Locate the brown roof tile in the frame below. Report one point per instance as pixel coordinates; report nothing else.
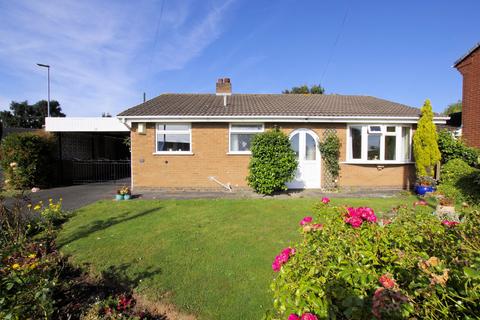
(313, 105)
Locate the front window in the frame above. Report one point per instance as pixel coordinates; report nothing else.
(241, 135)
(173, 138)
(379, 143)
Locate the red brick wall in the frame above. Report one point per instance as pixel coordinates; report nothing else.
(470, 69)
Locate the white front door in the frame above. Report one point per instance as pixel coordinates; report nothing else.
(305, 144)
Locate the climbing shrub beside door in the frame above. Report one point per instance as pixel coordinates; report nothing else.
(273, 162)
(330, 150)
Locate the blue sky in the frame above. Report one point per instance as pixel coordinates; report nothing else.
(104, 55)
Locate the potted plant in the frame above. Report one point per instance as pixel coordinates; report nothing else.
(424, 184)
(446, 197)
(125, 192)
(119, 195)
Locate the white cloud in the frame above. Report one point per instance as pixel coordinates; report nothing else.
(99, 52)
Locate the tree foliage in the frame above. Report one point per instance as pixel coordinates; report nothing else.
(24, 115)
(273, 162)
(314, 89)
(453, 108)
(425, 147)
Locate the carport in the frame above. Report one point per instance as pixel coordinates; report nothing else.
(90, 149)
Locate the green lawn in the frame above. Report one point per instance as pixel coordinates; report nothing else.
(212, 258)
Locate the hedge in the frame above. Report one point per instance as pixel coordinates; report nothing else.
(27, 159)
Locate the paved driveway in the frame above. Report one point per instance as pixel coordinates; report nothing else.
(78, 196)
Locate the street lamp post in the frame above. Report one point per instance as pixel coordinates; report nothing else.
(48, 72)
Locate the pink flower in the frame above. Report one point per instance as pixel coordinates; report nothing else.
(317, 226)
(293, 316)
(450, 224)
(288, 251)
(282, 258)
(386, 281)
(420, 203)
(325, 200)
(355, 222)
(352, 212)
(356, 216)
(308, 316)
(276, 266)
(306, 220)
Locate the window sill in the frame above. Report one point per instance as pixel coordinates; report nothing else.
(239, 153)
(173, 153)
(376, 162)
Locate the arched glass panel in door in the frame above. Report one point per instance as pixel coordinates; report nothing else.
(310, 147)
(295, 142)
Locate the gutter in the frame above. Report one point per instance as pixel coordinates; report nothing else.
(316, 119)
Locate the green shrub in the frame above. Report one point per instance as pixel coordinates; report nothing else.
(451, 192)
(29, 276)
(452, 148)
(453, 170)
(273, 162)
(413, 266)
(26, 160)
(457, 174)
(29, 263)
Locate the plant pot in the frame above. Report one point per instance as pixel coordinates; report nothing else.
(446, 213)
(422, 190)
(446, 210)
(119, 197)
(127, 197)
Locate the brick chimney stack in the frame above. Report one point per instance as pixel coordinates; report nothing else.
(224, 87)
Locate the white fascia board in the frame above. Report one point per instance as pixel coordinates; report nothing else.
(328, 119)
(84, 124)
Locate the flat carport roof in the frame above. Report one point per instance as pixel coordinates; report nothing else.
(85, 124)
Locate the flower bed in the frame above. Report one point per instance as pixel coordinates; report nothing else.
(357, 266)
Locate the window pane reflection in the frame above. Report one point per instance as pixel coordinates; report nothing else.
(374, 147)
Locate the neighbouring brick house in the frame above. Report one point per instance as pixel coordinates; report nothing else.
(469, 66)
(190, 141)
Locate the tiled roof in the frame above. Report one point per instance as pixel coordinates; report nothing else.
(308, 105)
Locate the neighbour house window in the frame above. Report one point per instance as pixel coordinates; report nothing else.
(379, 143)
(241, 135)
(173, 138)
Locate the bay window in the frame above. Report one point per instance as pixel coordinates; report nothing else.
(241, 135)
(379, 143)
(173, 138)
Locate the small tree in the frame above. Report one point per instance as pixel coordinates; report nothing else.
(273, 162)
(453, 108)
(425, 147)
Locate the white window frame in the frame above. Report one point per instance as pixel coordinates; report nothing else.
(365, 129)
(252, 131)
(162, 131)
